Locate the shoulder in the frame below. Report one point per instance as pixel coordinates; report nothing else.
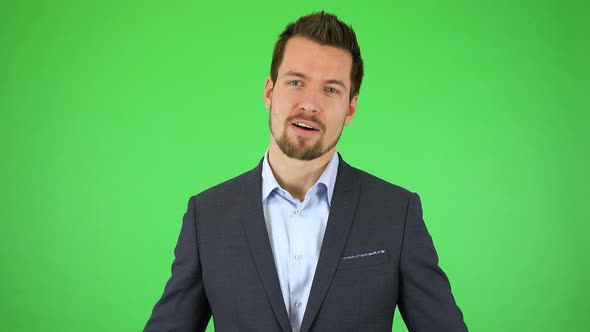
(380, 199)
(374, 187)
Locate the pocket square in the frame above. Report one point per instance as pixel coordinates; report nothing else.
(363, 255)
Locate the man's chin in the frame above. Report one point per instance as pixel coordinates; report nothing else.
(305, 153)
(304, 149)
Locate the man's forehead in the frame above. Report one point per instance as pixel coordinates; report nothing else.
(305, 57)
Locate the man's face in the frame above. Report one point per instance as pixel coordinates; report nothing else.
(310, 101)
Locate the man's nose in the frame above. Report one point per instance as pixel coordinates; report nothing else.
(310, 101)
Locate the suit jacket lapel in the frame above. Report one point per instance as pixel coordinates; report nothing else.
(346, 193)
(255, 228)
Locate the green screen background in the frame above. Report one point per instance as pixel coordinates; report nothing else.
(114, 113)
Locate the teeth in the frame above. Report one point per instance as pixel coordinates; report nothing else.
(299, 124)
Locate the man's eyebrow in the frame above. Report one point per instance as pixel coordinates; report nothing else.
(337, 82)
(301, 75)
(294, 73)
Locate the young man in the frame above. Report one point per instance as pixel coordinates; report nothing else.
(305, 242)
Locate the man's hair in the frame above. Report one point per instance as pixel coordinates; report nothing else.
(325, 29)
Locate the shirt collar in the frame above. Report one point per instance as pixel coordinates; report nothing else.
(328, 177)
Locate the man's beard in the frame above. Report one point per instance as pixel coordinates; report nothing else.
(299, 149)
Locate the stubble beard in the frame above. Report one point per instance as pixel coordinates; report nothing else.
(300, 149)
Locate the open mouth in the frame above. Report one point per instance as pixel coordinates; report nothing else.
(304, 126)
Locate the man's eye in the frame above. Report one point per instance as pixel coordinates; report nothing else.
(295, 83)
(332, 90)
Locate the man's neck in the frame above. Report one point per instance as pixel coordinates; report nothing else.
(297, 176)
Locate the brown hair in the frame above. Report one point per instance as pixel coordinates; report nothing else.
(325, 29)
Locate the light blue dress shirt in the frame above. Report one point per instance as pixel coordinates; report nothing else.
(296, 230)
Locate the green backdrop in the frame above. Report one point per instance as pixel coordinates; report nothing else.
(114, 113)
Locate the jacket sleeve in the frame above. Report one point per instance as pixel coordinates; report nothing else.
(184, 305)
(426, 302)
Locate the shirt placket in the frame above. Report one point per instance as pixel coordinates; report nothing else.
(298, 260)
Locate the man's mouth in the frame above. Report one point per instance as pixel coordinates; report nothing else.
(304, 126)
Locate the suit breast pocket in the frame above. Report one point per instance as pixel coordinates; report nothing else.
(364, 259)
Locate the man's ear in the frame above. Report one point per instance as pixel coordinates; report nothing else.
(351, 110)
(268, 93)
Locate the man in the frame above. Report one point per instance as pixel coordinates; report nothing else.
(305, 242)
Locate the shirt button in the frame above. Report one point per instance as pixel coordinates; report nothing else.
(297, 212)
(298, 257)
(298, 304)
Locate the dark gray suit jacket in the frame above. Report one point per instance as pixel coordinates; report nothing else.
(376, 254)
